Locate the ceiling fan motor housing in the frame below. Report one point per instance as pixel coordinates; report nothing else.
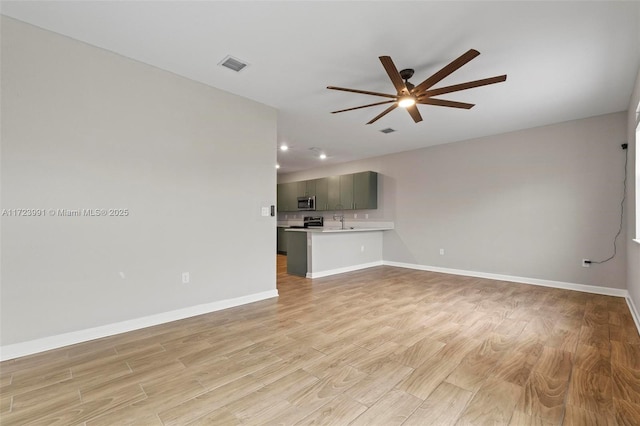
(406, 74)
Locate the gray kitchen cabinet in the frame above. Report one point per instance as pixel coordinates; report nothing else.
(281, 240)
(365, 190)
(288, 193)
(287, 197)
(356, 191)
(296, 253)
(346, 191)
(340, 192)
(309, 188)
(333, 192)
(321, 191)
(301, 189)
(280, 204)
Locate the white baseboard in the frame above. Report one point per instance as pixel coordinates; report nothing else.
(634, 312)
(328, 272)
(523, 280)
(53, 342)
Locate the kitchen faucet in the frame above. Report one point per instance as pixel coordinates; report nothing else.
(339, 216)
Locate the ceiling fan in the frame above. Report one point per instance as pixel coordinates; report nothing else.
(409, 96)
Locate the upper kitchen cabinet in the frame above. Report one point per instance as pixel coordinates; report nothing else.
(287, 197)
(306, 188)
(288, 193)
(357, 191)
(333, 192)
(321, 191)
(346, 191)
(365, 191)
(340, 191)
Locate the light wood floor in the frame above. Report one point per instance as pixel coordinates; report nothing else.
(383, 346)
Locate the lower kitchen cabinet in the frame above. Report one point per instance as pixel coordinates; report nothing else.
(297, 254)
(281, 239)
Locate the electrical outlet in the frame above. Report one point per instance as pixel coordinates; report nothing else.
(585, 263)
(355, 215)
(441, 252)
(265, 211)
(185, 278)
(362, 249)
(366, 215)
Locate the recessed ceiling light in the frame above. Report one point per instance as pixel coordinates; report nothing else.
(323, 156)
(283, 148)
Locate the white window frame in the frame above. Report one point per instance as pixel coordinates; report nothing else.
(637, 174)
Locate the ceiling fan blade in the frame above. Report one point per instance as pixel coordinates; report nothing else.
(414, 113)
(446, 70)
(464, 86)
(445, 103)
(394, 75)
(363, 106)
(364, 92)
(383, 113)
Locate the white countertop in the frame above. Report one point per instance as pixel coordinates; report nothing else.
(326, 229)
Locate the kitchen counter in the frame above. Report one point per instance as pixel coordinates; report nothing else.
(329, 250)
(332, 229)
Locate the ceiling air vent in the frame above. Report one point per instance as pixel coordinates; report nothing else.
(232, 63)
(387, 130)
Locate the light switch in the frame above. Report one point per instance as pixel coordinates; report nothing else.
(265, 211)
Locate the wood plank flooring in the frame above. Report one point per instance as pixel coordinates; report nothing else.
(382, 346)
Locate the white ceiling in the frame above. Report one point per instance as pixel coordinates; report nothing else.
(564, 60)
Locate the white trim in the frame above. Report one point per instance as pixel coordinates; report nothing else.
(634, 312)
(523, 280)
(637, 241)
(53, 342)
(328, 272)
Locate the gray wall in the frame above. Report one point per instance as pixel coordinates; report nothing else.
(85, 128)
(633, 176)
(531, 203)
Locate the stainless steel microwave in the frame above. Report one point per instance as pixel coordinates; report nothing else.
(307, 203)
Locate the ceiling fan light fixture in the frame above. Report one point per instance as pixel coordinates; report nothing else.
(406, 101)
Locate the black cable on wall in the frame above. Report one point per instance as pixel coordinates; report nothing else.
(624, 196)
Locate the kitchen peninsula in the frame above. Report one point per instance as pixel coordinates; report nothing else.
(320, 252)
